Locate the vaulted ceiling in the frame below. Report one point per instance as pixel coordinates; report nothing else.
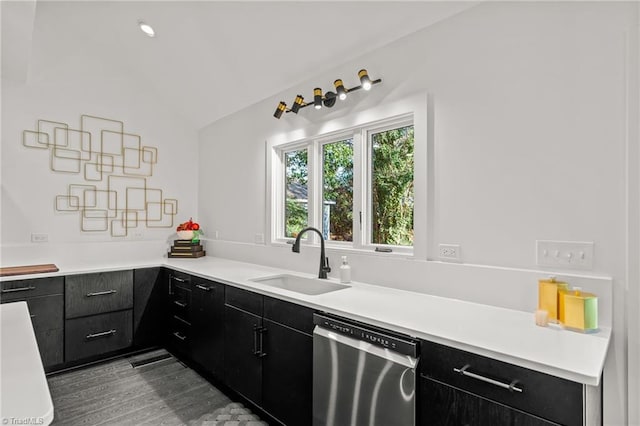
(209, 58)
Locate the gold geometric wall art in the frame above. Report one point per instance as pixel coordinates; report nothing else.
(112, 167)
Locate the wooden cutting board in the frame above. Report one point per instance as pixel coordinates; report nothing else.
(28, 269)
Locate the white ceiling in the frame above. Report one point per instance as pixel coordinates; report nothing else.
(209, 58)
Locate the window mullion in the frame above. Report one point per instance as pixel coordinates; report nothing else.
(314, 191)
(358, 205)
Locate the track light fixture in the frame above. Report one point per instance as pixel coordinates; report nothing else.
(317, 98)
(365, 81)
(297, 104)
(329, 98)
(340, 90)
(281, 108)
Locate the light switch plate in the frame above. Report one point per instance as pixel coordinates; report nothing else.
(565, 254)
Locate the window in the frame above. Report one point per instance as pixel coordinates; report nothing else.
(392, 186)
(337, 190)
(355, 185)
(296, 200)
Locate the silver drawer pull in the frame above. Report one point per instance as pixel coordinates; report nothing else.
(101, 293)
(181, 320)
(180, 280)
(511, 386)
(180, 336)
(181, 304)
(103, 334)
(13, 290)
(32, 315)
(201, 287)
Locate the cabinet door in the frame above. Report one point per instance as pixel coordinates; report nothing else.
(47, 317)
(51, 346)
(207, 326)
(149, 299)
(287, 374)
(243, 364)
(442, 405)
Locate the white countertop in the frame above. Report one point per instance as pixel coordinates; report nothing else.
(503, 334)
(25, 397)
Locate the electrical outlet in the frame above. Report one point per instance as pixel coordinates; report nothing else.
(449, 251)
(39, 238)
(564, 254)
(137, 234)
(259, 238)
(216, 235)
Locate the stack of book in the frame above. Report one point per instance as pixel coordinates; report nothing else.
(186, 248)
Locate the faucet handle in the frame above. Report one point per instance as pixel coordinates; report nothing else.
(326, 264)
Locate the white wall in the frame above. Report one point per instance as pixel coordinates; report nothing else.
(62, 91)
(528, 129)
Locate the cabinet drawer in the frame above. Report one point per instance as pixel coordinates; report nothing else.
(98, 334)
(179, 335)
(179, 280)
(180, 303)
(47, 312)
(21, 289)
(97, 293)
(243, 299)
(549, 397)
(289, 314)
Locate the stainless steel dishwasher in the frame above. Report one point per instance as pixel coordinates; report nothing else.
(362, 376)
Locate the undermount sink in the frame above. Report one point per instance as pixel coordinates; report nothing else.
(300, 284)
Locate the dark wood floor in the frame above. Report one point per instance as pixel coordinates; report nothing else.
(115, 393)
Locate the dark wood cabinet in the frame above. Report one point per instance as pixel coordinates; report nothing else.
(242, 334)
(207, 318)
(459, 387)
(269, 354)
(178, 314)
(20, 290)
(287, 369)
(444, 405)
(243, 363)
(99, 314)
(149, 301)
(45, 301)
(90, 294)
(98, 335)
(287, 374)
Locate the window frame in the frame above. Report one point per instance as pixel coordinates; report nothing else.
(319, 144)
(366, 207)
(398, 113)
(282, 189)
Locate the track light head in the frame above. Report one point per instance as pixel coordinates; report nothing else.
(297, 104)
(317, 98)
(280, 109)
(340, 90)
(329, 99)
(365, 81)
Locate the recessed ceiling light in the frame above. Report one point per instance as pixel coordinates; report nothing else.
(146, 28)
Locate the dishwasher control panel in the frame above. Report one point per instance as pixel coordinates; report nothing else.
(379, 338)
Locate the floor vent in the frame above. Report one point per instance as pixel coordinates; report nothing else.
(141, 362)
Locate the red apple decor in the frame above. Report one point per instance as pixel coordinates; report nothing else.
(188, 243)
(189, 230)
